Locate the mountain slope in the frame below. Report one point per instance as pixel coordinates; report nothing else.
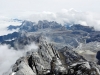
(47, 61)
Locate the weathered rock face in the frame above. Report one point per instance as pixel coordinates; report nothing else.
(38, 62)
(83, 68)
(70, 56)
(48, 61)
(21, 67)
(77, 65)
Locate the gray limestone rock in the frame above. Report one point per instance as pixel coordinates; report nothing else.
(48, 61)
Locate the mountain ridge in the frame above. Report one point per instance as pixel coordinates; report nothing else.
(58, 45)
(47, 61)
(72, 35)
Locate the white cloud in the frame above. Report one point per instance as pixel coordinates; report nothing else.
(8, 56)
(4, 31)
(4, 23)
(66, 16)
(70, 16)
(31, 47)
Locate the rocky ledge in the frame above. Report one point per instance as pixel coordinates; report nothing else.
(48, 60)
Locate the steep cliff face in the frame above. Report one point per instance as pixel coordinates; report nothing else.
(48, 60)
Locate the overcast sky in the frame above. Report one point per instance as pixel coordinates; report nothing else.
(16, 7)
(85, 12)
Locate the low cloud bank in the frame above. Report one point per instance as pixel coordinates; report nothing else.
(4, 23)
(8, 56)
(70, 16)
(5, 31)
(66, 16)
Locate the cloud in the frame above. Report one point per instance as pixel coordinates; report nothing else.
(70, 16)
(4, 31)
(65, 16)
(4, 23)
(8, 56)
(31, 47)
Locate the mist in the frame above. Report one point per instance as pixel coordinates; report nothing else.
(70, 16)
(64, 16)
(5, 22)
(8, 56)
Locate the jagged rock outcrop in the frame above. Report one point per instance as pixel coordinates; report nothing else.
(21, 67)
(47, 60)
(83, 68)
(71, 56)
(78, 65)
(39, 60)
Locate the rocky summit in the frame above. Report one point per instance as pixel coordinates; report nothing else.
(49, 60)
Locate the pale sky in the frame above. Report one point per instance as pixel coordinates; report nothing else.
(15, 7)
(85, 12)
